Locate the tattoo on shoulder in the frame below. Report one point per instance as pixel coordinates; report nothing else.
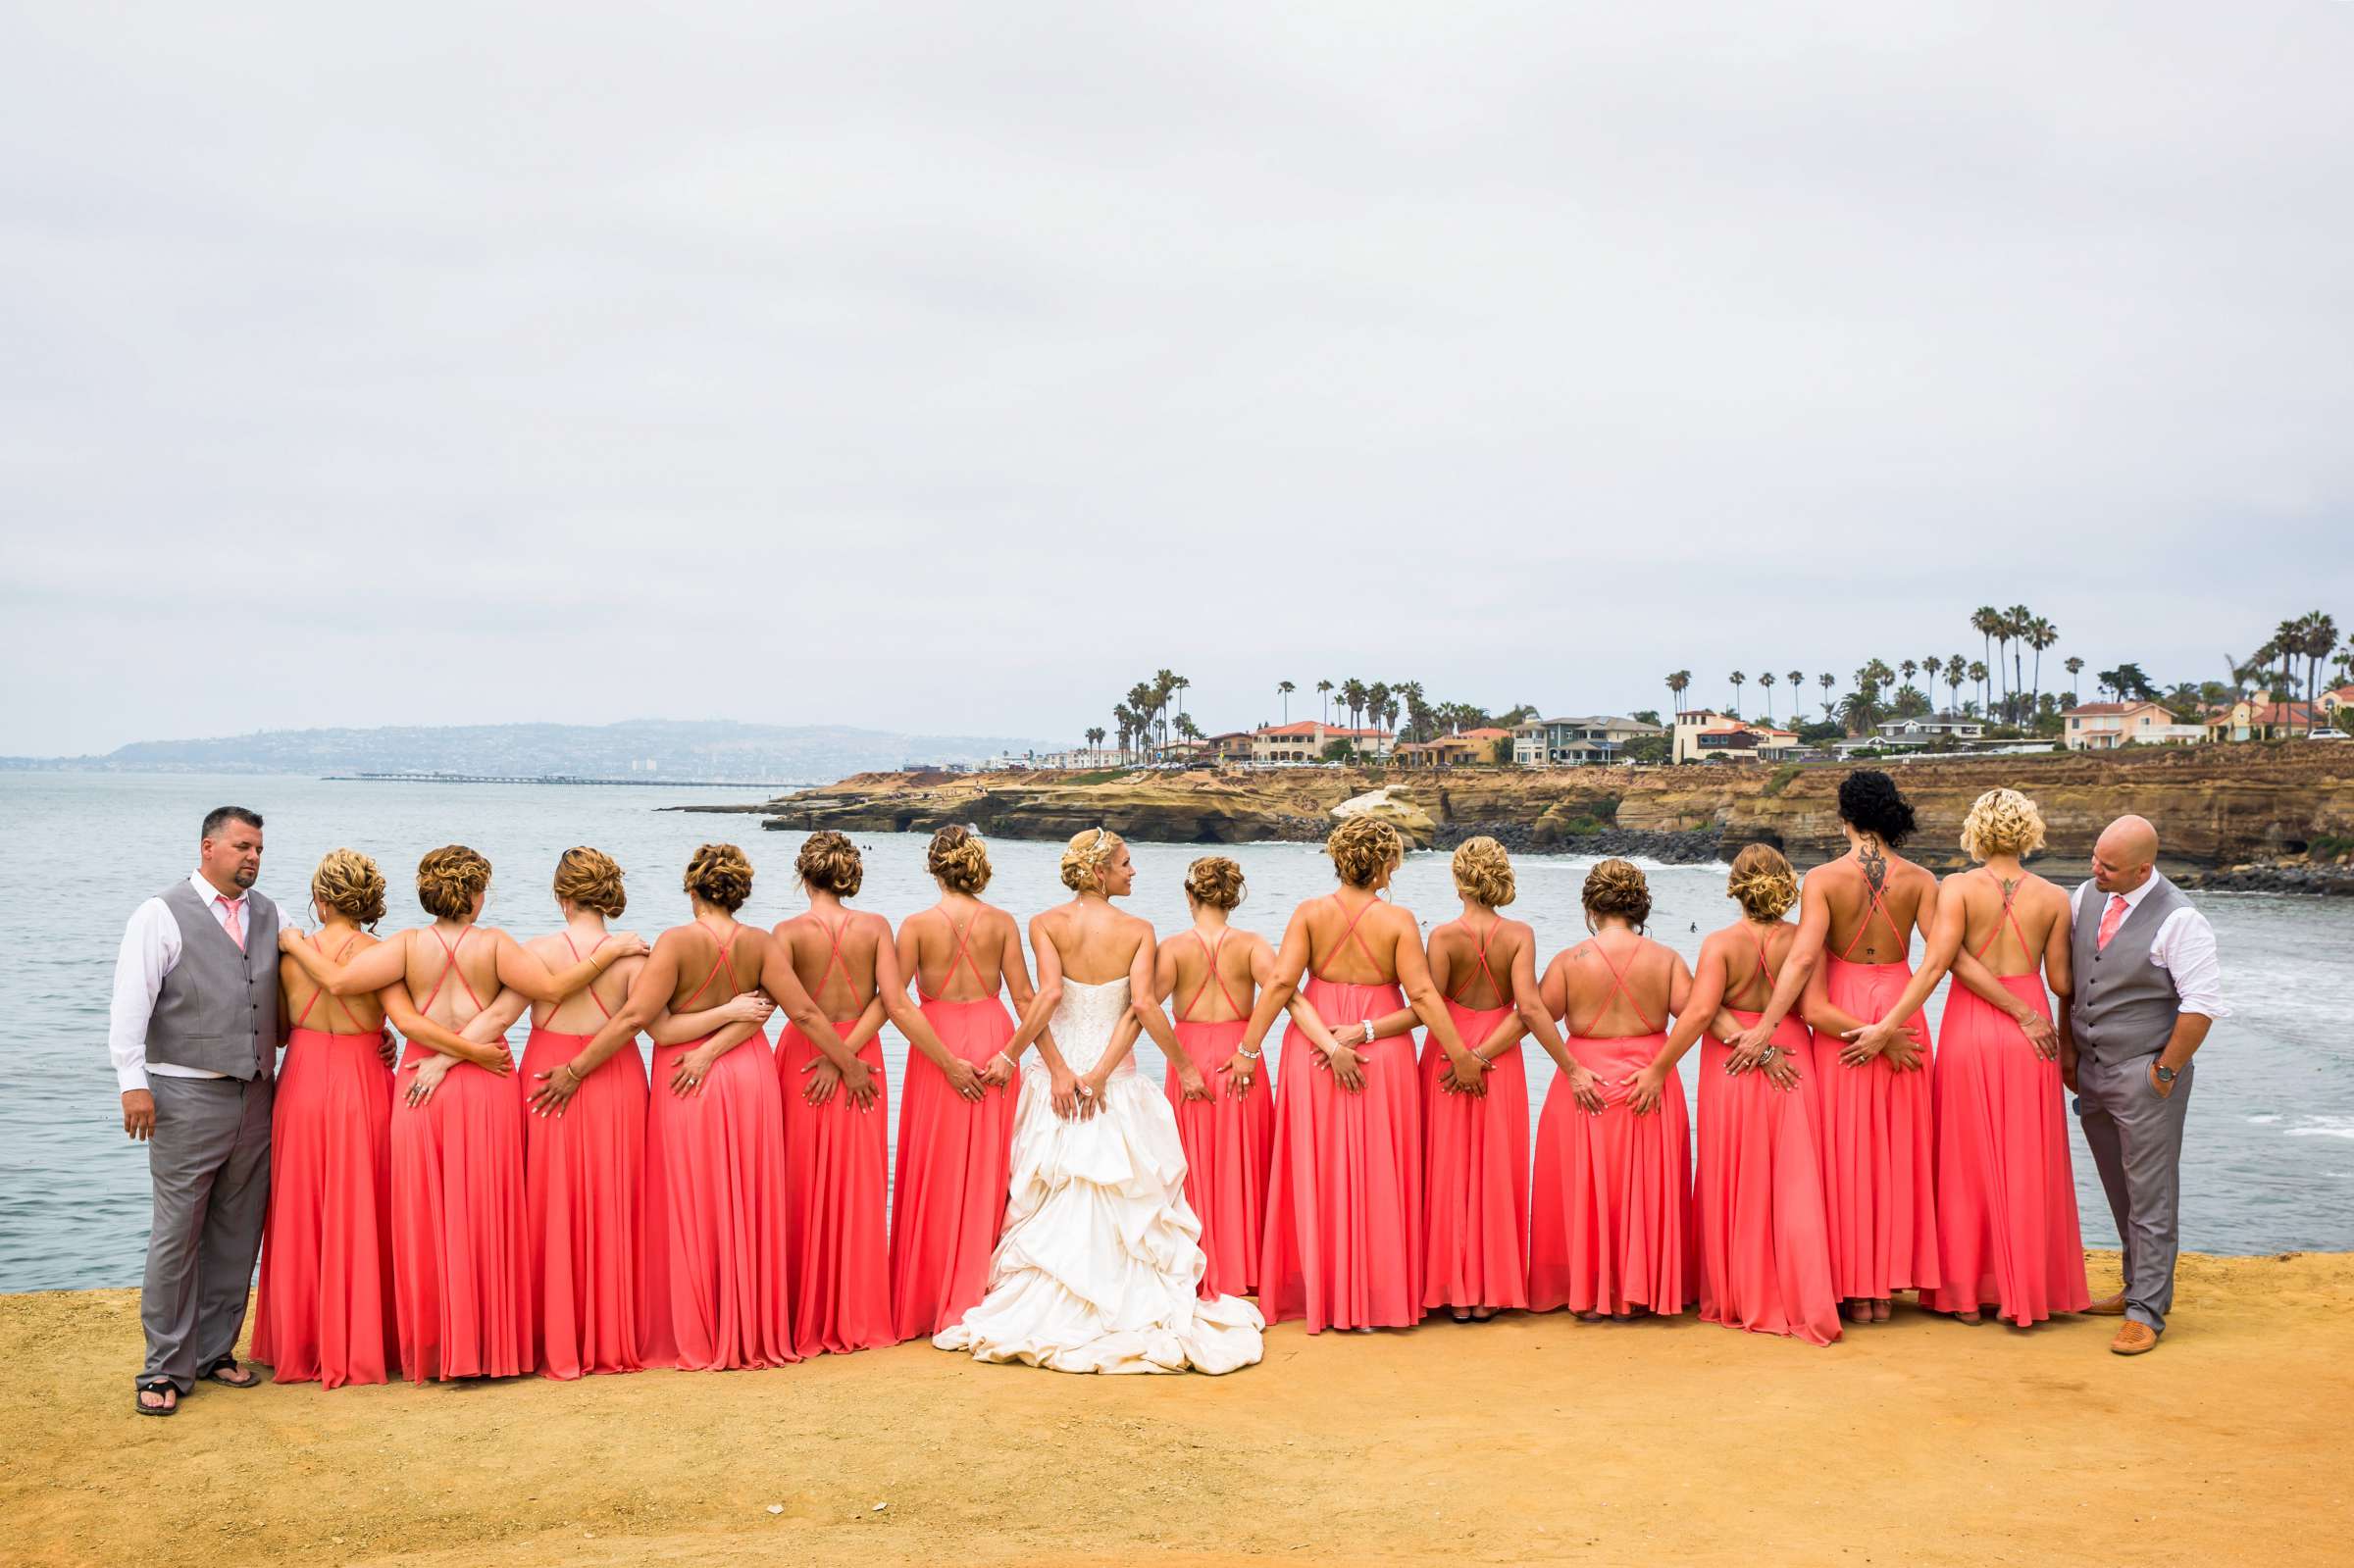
(1875, 867)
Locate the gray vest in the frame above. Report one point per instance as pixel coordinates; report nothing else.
(218, 1007)
(2124, 1005)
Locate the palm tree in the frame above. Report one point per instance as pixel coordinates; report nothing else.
(1284, 690)
(1909, 669)
(1417, 714)
(1377, 700)
(2015, 622)
(1956, 670)
(1183, 685)
(1827, 681)
(1737, 678)
(1986, 620)
(1324, 690)
(1929, 667)
(2075, 667)
(1860, 709)
(1767, 681)
(1978, 671)
(2041, 634)
(2319, 638)
(1187, 727)
(1353, 700)
(1095, 737)
(1677, 682)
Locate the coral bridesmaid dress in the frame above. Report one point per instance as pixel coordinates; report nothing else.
(1475, 1168)
(836, 1232)
(584, 1202)
(1764, 1257)
(2006, 1189)
(955, 1164)
(717, 1292)
(1609, 1226)
(1344, 1238)
(1875, 1131)
(324, 1311)
(461, 1249)
(1228, 1143)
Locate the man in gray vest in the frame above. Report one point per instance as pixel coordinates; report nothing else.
(193, 1032)
(2147, 989)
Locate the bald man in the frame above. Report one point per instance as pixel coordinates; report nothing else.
(2147, 989)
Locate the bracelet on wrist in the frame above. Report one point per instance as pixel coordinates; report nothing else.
(1246, 1054)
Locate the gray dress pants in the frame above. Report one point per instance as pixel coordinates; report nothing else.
(2136, 1141)
(209, 1163)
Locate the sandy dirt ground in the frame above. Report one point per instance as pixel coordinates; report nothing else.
(1525, 1439)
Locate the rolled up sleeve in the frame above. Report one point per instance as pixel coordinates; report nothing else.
(2188, 949)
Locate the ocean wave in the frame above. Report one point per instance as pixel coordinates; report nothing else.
(2324, 1126)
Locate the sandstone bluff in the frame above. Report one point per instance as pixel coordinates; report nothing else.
(2223, 809)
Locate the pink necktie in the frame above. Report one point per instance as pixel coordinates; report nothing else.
(236, 931)
(2111, 918)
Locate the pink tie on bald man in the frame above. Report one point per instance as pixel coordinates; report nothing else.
(2111, 918)
(237, 928)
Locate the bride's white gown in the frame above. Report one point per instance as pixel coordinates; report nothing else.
(1101, 1260)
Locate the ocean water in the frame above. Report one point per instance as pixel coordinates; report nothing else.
(2268, 1164)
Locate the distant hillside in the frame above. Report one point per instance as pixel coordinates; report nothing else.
(677, 748)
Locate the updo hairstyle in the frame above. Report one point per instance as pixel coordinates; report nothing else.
(958, 860)
(1870, 802)
(1086, 855)
(830, 863)
(591, 880)
(1616, 888)
(348, 882)
(1762, 882)
(449, 879)
(1362, 848)
(1214, 881)
(719, 876)
(1484, 871)
(2002, 822)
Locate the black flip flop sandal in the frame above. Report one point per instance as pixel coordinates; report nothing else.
(156, 1386)
(211, 1373)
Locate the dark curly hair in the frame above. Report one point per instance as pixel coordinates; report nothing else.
(719, 876)
(1870, 802)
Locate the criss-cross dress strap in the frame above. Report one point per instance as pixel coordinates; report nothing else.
(2011, 914)
(1350, 934)
(1480, 956)
(963, 955)
(1880, 908)
(449, 966)
(1618, 989)
(591, 987)
(1210, 953)
(304, 1017)
(719, 967)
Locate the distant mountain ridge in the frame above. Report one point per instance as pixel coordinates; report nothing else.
(679, 749)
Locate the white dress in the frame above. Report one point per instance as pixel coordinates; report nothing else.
(1099, 1266)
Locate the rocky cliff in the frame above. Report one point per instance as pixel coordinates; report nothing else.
(2216, 806)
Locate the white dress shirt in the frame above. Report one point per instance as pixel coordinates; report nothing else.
(150, 950)
(2184, 947)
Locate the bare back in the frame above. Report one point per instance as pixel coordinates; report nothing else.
(585, 1010)
(834, 957)
(1471, 960)
(1616, 985)
(1352, 939)
(2011, 931)
(305, 1005)
(1219, 994)
(1753, 961)
(1094, 943)
(708, 974)
(1873, 924)
(451, 979)
(957, 950)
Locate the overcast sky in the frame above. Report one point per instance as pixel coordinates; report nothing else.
(947, 368)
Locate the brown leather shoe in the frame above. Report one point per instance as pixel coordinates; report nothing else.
(2108, 1306)
(2133, 1339)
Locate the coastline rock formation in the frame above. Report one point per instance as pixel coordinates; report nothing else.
(2216, 806)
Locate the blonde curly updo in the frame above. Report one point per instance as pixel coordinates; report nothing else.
(830, 863)
(1214, 881)
(348, 882)
(1086, 855)
(721, 876)
(1762, 882)
(958, 860)
(449, 879)
(1483, 872)
(2002, 822)
(1617, 887)
(591, 880)
(1362, 848)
